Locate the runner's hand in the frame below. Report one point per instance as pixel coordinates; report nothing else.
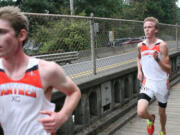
(140, 76)
(156, 57)
(52, 123)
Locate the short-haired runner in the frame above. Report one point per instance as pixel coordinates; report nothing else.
(26, 83)
(153, 71)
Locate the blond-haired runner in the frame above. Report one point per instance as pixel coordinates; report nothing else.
(26, 83)
(153, 70)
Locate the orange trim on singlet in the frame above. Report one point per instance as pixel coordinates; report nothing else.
(31, 78)
(145, 48)
(148, 53)
(144, 81)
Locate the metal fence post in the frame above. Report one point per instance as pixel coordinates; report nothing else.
(177, 37)
(72, 7)
(93, 55)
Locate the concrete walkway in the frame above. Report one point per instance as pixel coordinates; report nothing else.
(137, 126)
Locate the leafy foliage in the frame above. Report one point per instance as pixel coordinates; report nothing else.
(38, 6)
(140, 9)
(135, 10)
(62, 36)
(161, 9)
(101, 8)
(6, 2)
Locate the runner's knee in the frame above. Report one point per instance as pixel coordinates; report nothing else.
(162, 112)
(141, 113)
(142, 108)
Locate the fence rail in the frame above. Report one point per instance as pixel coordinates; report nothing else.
(60, 58)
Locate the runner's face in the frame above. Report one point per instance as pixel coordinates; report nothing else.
(8, 39)
(149, 29)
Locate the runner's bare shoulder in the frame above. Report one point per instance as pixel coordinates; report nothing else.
(139, 45)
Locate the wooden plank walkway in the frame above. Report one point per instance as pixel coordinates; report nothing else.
(137, 126)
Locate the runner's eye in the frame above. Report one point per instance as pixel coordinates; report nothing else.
(3, 31)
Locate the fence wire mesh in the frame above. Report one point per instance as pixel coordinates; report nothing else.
(52, 34)
(49, 34)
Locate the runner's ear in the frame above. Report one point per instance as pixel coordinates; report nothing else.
(22, 36)
(156, 31)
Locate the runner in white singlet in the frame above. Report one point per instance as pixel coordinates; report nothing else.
(26, 83)
(153, 71)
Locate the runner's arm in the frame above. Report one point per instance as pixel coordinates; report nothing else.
(53, 76)
(164, 62)
(65, 85)
(139, 74)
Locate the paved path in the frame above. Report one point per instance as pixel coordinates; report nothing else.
(137, 126)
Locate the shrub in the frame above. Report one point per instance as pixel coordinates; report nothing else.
(62, 35)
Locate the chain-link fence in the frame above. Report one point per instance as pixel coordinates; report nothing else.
(57, 33)
(89, 38)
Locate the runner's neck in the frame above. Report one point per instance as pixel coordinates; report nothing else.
(150, 42)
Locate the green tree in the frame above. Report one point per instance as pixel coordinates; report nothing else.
(37, 6)
(62, 6)
(6, 2)
(140, 9)
(161, 9)
(100, 8)
(134, 10)
(45, 6)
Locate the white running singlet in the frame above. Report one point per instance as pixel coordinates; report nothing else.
(21, 101)
(155, 80)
